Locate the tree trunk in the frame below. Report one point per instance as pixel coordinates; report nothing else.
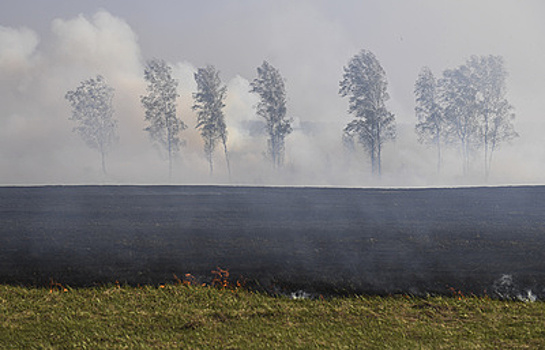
(209, 155)
(486, 168)
(491, 150)
(466, 157)
(379, 161)
(489, 165)
(169, 165)
(438, 154)
(226, 157)
(379, 150)
(102, 156)
(373, 158)
(273, 151)
(169, 156)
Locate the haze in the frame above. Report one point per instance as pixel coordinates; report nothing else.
(48, 48)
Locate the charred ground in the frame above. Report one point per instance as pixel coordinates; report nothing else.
(324, 240)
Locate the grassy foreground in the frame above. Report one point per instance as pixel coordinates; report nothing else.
(189, 317)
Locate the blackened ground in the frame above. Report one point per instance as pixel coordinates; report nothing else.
(322, 240)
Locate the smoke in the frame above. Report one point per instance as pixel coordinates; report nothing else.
(308, 44)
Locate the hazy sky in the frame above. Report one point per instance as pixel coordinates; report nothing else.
(49, 47)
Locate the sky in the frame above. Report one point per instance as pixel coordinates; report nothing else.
(49, 48)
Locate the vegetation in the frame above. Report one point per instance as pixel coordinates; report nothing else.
(92, 110)
(467, 108)
(269, 85)
(195, 317)
(209, 108)
(431, 124)
(160, 105)
(364, 83)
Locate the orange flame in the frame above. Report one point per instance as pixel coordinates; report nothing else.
(57, 286)
(178, 281)
(456, 293)
(189, 280)
(221, 278)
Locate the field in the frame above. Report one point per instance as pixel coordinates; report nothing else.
(186, 317)
(328, 241)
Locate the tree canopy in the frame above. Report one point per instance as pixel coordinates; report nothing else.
(364, 83)
(160, 108)
(269, 85)
(92, 110)
(477, 114)
(431, 123)
(209, 106)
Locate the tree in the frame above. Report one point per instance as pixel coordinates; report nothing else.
(431, 123)
(92, 109)
(458, 99)
(364, 82)
(476, 109)
(160, 108)
(210, 118)
(494, 111)
(269, 85)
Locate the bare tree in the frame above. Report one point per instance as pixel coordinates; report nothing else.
(209, 106)
(431, 122)
(160, 108)
(269, 85)
(364, 82)
(92, 109)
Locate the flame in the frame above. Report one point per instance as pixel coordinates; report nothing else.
(456, 293)
(189, 280)
(221, 278)
(53, 285)
(178, 281)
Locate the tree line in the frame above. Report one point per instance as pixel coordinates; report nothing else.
(466, 109)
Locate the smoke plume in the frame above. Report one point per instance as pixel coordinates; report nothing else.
(309, 44)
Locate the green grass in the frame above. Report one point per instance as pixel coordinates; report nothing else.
(188, 317)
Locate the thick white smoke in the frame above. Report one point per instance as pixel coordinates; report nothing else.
(37, 145)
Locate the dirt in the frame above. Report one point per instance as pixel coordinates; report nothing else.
(320, 240)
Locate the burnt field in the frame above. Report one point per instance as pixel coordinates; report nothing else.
(323, 240)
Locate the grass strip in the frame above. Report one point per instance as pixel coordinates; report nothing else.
(196, 317)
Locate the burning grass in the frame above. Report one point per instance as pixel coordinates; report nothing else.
(222, 315)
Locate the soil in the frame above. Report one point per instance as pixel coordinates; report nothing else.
(488, 240)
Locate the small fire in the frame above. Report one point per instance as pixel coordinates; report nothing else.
(221, 278)
(177, 279)
(189, 280)
(57, 286)
(456, 293)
